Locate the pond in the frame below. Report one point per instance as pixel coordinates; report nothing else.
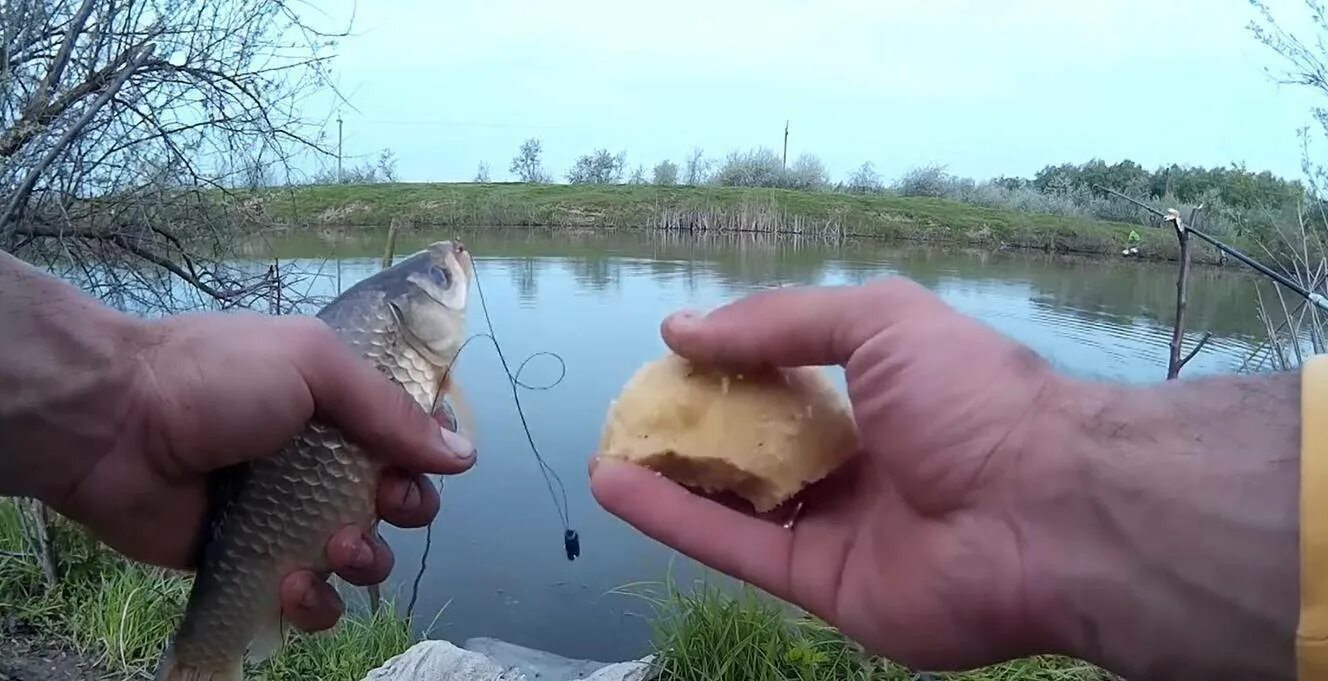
(496, 565)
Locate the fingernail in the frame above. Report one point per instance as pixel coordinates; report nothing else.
(363, 556)
(411, 499)
(457, 445)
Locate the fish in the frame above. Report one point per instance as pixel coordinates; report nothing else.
(274, 515)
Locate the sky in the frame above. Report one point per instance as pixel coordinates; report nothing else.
(983, 87)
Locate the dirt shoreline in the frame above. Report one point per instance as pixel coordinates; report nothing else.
(29, 657)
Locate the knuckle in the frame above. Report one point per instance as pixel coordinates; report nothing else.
(309, 332)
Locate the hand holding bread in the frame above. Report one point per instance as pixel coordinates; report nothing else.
(905, 536)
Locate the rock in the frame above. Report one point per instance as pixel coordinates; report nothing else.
(437, 660)
(637, 670)
(535, 664)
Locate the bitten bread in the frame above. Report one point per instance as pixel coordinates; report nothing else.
(763, 435)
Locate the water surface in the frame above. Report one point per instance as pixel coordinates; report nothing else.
(496, 565)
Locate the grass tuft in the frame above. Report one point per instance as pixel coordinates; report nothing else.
(349, 651)
(119, 614)
(706, 633)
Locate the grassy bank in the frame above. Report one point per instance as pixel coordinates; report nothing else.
(711, 208)
(703, 634)
(117, 615)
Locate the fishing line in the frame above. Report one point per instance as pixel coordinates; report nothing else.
(571, 540)
(514, 379)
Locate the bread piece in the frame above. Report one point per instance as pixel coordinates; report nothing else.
(763, 436)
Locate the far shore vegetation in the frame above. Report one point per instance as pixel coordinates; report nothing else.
(1062, 208)
(118, 615)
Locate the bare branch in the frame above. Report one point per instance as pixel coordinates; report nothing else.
(20, 196)
(57, 69)
(1197, 347)
(121, 241)
(37, 117)
(118, 167)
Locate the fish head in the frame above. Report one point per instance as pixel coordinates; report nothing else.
(430, 303)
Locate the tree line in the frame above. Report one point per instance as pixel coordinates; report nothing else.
(1233, 198)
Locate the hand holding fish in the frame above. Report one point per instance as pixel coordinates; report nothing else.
(121, 423)
(212, 390)
(998, 508)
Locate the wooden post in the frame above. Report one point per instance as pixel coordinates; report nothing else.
(1182, 281)
(276, 275)
(390, 249)
(786, 126)
(1176, 361)
(35, 526)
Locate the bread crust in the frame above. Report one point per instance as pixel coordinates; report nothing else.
(762, 435)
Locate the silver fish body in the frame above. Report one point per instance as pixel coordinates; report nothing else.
(275, 514)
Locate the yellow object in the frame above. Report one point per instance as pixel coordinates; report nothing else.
(762, 435)
(1312, 632)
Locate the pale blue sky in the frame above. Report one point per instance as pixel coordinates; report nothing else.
(986, 87)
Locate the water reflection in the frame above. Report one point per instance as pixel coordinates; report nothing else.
(496, 566)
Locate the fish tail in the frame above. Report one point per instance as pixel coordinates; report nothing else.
(269, 637)
(169, 668)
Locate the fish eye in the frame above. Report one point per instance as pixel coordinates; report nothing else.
(440, 276)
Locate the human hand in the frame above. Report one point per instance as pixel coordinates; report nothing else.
(918, 546)
(998, 509)
(208, 390)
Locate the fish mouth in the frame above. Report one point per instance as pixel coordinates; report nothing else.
(463, 258)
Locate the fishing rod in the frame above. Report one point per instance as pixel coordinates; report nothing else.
(1318, 299)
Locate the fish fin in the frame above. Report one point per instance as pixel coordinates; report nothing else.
(169, 669)
(464, 417)
(268, 638)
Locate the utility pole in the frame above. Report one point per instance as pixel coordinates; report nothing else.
(339, 179)
(786, 144)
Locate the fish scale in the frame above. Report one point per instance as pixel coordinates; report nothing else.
(277, 513)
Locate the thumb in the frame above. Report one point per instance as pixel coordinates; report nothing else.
(378, 414)
(797, 326)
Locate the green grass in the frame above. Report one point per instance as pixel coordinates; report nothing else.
(714, 208)
(704, 633)
(119, 614)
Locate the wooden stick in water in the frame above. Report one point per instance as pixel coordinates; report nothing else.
(390, 249)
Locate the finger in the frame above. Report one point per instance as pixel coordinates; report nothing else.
(375, 412)
(309, 603)
(360, 558)
(406, 500)
(744, 547)
(820, 325)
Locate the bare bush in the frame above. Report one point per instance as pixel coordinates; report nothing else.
(526, 164)
(755, 168)
(865, 180)
(382, 170)
(598, 167)
(666, 173)
(698, 168)
(124, 129)
(930, 180)
(807, 174)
